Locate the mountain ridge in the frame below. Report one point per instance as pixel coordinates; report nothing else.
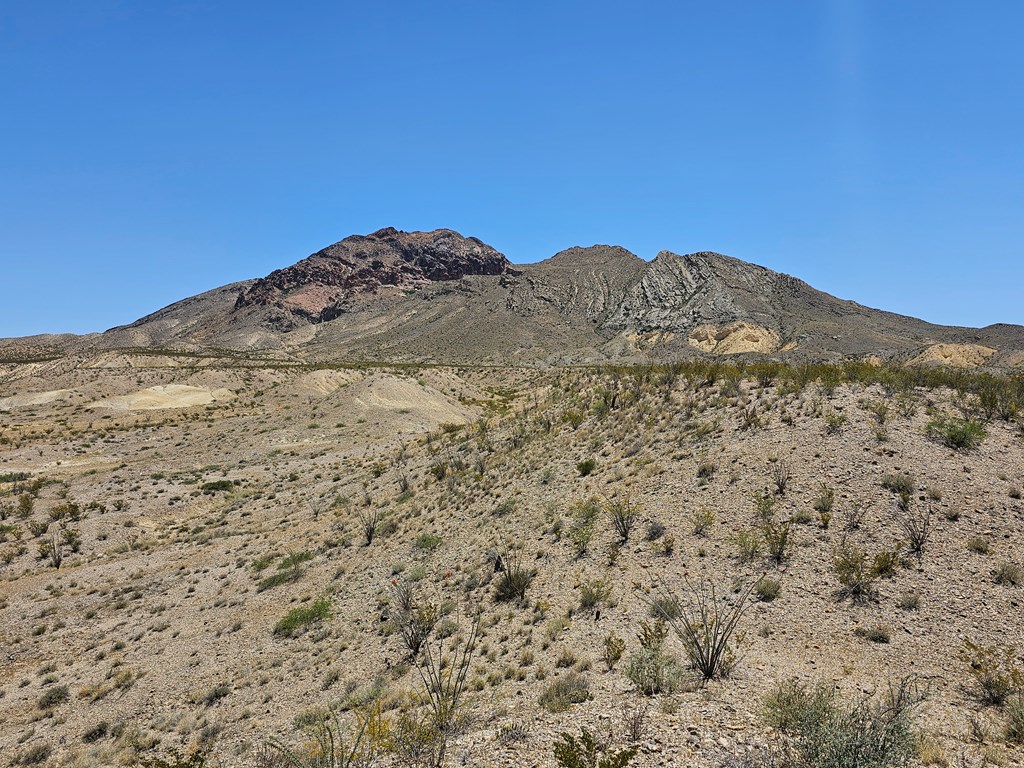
(439, 296)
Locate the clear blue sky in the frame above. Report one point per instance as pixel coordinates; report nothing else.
(152, 150)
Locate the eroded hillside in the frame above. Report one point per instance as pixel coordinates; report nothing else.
(186, 564)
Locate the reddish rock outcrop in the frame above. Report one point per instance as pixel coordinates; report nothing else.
(320, 286)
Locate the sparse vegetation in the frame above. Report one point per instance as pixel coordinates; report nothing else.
(767, 589)
(335, 743)
(958, 434)
(299, 618)
(515, 578)
(994, 672)
(623, 515)
(154, 569)
(855, 577)
(1008, 574)
(704, 618)
(571, 688)
(584, 515)
(588, 752)
(825, 732)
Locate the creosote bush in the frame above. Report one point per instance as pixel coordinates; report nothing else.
(584, 515)
(958, 434)
(825, 732)
(586, 467)
(702, 520)
(994, 672)
(855, 577)
(571, 688)
(588, 752)
(613, 648)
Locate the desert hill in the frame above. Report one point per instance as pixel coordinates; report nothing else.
(270, 512)
(443, 298)
(204, 554)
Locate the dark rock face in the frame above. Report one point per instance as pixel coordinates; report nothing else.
(319, 287)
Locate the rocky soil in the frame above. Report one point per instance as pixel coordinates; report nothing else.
(189, 532)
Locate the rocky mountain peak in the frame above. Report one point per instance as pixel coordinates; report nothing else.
(386, 261)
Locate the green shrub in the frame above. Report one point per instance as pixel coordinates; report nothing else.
(428, 542)
(825, 500)
(515, 578)
(993, 670)
(979, 545)
(1014, 732)
(581, 530)
(571, 688)
(299, 618)
(654, 671)
(587, 752)
(1008, 574)
(702, 520)
(834, 422)
(748, 545)
(764, 506)
(827, 733)
(217, 485)
(958, 434)
(294, 560)
(776, 540)
(593, 593)
(585, 467)
(874, 634)
(277, 579)
(885, 562)
(614, 647)
(54, 696)
(623, 515)
(899, 483)
(910, 601)
(855, 578)
(767, 589)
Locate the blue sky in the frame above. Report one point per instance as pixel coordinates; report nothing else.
(150, 151)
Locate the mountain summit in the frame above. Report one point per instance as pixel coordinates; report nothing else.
(319, 287)
(441, 297)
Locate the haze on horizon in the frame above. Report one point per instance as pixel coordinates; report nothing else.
(151, 153)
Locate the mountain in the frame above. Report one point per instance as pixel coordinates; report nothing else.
(441, 297)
